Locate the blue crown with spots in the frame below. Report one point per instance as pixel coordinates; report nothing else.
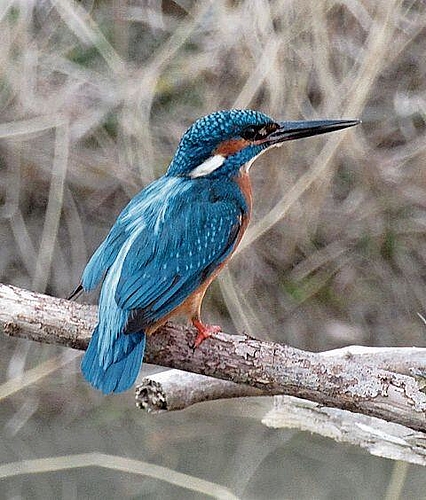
(201, 139)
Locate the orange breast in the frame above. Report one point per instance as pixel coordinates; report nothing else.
(243, 181)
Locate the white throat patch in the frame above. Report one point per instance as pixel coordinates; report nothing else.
(208, 166)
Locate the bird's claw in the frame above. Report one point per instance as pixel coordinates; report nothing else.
(204, 332)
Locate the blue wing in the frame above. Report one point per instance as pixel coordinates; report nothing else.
(165, 243)
(103, 258)
(107, 253)
(191, 240)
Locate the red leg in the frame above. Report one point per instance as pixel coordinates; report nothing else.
(204, 331)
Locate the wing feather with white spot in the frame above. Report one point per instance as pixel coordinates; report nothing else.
(159, 273)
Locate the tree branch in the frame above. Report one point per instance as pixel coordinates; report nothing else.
(175, 390)
(338, 382)
(380, 438)
(172, 390)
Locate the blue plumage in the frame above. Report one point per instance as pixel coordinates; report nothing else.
(157, 254)
(118, 375)
(189, 240)
(169, 241)
(201, 139)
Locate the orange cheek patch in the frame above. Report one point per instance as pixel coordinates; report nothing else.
(227, 148)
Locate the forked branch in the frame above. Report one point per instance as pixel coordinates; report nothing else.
(337, 381)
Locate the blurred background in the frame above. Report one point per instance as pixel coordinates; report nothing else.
(94, 96)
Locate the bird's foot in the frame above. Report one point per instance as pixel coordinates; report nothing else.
(204, 332)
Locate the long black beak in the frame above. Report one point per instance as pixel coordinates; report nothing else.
(289, 131)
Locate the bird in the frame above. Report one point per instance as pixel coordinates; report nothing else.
(173, 238)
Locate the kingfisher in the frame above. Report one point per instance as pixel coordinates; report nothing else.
(173, 238)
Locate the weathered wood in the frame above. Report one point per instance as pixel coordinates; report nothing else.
(172, 390)
(404, 360)
(340, 383)
(378, 437)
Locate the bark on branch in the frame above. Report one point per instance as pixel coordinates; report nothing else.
(172, 390)
(175, 390)
(340, 382)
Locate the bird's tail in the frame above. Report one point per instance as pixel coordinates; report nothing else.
(120, 371)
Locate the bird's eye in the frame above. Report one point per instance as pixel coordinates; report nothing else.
(249, 133)
(258, 132)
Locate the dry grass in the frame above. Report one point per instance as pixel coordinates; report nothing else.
(94, 97)
(116, 463)
(93, 105)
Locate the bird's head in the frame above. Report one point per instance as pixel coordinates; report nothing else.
(221, 143)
